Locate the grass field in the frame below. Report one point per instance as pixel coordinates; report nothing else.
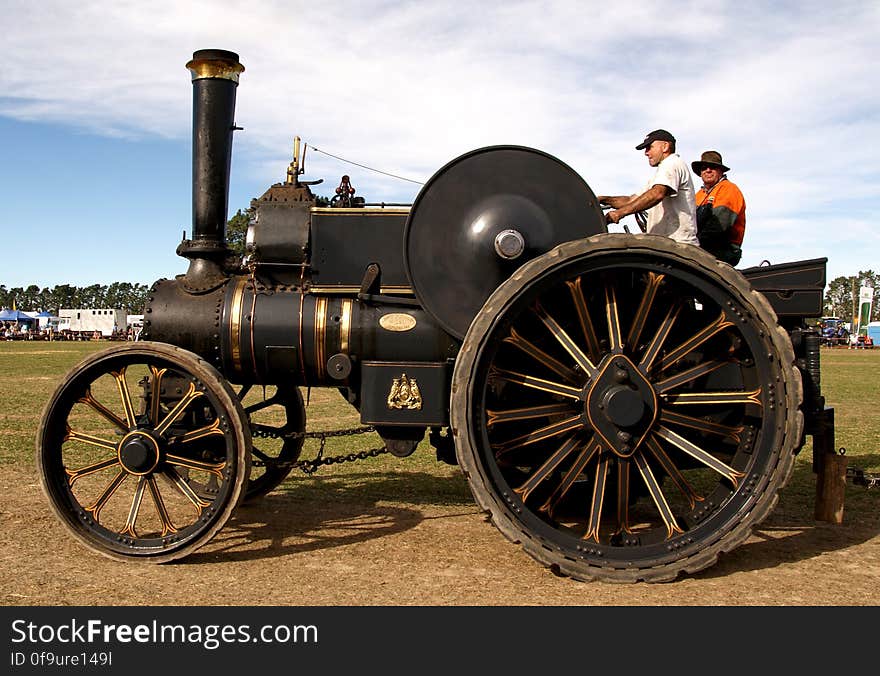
(29, 372)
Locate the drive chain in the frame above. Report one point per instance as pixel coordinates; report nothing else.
(311, 466)
(861, 478)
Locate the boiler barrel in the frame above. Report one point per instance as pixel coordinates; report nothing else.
(256, 333)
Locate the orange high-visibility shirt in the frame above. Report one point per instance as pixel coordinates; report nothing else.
(728, 205)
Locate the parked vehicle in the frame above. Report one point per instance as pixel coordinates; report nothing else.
(86, 322)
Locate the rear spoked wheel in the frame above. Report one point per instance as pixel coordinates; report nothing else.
(129, 442)
(277, 419)
(626, 408)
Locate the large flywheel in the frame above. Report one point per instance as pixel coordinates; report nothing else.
(143, 453)
(482, 216)
(626, 408)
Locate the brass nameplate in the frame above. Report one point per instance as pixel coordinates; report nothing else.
(397, 321)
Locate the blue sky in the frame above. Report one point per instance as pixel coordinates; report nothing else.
(95, 112)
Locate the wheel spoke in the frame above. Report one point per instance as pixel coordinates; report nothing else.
(589, 450)
(623, 496)
(71, 435)
(644, 309)
(517, 414)
(692, 343)
(699, 454)
(201, 433)
(540, 356)
(167, 526)
(215, 468)
(732, 432)
(538, 383)
(125, 395)
(724, 398)
(674, 473)
(596, 503)
(262, 456)
(269, 429)
(565, 341)
(547, 468)
(155, 393)
(659, 338)
(109, 415)
(191, 394)
(657, 496)
(264, 403)
(615, 337)
(583, 314)
(95, 508)
(554, 430)
(180, 483)
(691, 374)
(74, 474)
(137, 499)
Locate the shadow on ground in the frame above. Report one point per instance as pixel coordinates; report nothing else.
(327, 512)
(791, 534)
(321, 513)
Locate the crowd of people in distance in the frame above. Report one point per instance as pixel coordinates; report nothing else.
(15, 331)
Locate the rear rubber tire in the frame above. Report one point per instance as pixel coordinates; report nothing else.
(721, 418)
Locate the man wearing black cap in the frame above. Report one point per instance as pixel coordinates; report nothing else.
(668, 197)
(721, 210)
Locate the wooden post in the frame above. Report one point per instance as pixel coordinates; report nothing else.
(830, 469)
(830, 488)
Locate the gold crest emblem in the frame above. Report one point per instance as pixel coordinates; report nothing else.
(405, 394)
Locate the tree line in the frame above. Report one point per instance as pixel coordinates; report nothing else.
(842, 295)
(118, 295)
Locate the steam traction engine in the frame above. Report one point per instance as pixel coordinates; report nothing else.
(623, 406)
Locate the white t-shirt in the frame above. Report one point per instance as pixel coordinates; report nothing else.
(675, 215)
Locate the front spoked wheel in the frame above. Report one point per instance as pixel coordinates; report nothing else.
(626, 408)
(128, 443)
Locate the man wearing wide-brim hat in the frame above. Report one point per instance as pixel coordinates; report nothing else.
(721, 209)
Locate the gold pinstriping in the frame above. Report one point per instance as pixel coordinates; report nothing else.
(345, 326)
(235, 324)
(320, 336)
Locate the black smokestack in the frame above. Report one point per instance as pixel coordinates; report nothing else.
(215, 75)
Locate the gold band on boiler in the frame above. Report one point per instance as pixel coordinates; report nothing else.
(235, 324)
(320, 334)
(345, 326)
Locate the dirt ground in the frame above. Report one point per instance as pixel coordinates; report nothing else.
(354, 549)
